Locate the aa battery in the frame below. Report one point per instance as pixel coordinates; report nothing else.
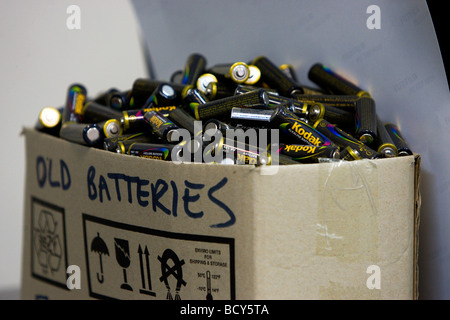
(347, 102)
(94, 112)
(222, 107)
(296, 129)
(343, 139)
(49, 121)
(329, 80)
(276, 78)
(195, 66)
(238, 152)
(204, 80)
(133, 120)
(254, 75)
(288, 70)
(238, 72)
(73, 109)
(384, 142)
(86, 134)
(161, 126)
(308, 153)
(299, 108)
(111, 143)
(220, 90)
(350, 154)
(194, 95)
(143, 88)
(211, 126)
(163, 95)
(121, 100)
(111, 128)
(343, 118)
(244, 88)
(150, 150)
(366, 120)
(252, 117)
(398, 140)
(185, 120)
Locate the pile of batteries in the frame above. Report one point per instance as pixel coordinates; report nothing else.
(240, 113)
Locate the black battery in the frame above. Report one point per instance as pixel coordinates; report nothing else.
(398, 140)
(330, 81)
(296, 130)
(344, 139)
(366, 120)
(222, 107)
(275, 78)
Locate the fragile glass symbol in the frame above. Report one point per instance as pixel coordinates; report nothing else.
(123, 259)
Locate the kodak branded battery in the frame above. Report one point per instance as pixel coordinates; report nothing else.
(150, 150)
(222, 107)
(398, 140)
(366, 120)
(89, 134)
(195, 66)
(76, 98)
(161, 126)
(94, 112)
(343, 139)
(384, 142)
(308, 153)
(329, 80)
(133, 120)
(276, 78)
(298, 130)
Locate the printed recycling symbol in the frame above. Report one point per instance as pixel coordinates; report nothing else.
(47, 243)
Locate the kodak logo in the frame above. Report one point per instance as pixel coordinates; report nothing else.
(298, 148)
(305, 134)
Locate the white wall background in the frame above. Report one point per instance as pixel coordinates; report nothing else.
(39, 58)
(400, 64)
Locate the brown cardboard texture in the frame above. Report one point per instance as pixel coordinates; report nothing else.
(114, 226)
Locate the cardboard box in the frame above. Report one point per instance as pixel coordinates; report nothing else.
(124, 227)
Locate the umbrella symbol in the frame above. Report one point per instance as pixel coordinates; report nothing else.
(99, 246)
